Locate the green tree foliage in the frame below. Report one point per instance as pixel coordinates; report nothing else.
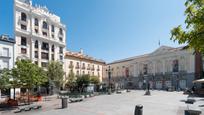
(28, 75)
(5, 76)
(55, 73)
(94, 80)
(82, 82)
(193, 33)
(71, 83)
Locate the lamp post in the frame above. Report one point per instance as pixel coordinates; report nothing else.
(109, 78)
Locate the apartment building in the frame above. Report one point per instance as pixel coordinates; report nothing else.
(40, 35)
(81, 64)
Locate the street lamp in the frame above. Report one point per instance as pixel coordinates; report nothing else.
(109, 78)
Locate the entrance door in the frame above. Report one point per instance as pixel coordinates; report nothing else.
(158, 84)
(182, 84)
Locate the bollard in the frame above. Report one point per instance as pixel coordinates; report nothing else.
(138, 110)
(64, 102)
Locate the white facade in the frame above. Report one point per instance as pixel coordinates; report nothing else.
(81, 64)
(39, 34)
(163, 62)
(6, 53)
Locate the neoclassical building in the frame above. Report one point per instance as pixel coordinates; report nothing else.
(163, 68)
(81, 64)
(39, 34)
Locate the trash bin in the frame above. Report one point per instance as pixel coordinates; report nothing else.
(64, 102)
(138, 109)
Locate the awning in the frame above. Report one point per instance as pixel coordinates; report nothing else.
(198, 81)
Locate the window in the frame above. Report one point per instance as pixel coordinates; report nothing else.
(60, 38)
(36, 31)
(45, 46)
(175, 66)
(44, 33)
(53, 58)
(71, 64)
(36, 62)
(92, 73)
(61, 31)
(77, 72)
(36, 44)
(36, 22)
(53, 48)
(23, 41)
(53, 36)
(83, 66)
(45, 25)
(61, 50)
(44, 55)
(53, 28)
(44, 64)
(36, 54)
(23, 50)
(61, 58)
(23, 16)
(23, 27)
(83, 72)
(6, 52)
(5, 64)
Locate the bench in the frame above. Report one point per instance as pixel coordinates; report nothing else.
(75, 100)
(28, 108)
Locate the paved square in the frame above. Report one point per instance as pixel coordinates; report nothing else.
(159, 103)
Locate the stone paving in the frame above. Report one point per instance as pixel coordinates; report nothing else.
(159, 103)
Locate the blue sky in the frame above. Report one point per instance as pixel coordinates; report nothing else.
(110, 29)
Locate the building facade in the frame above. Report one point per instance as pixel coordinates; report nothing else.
(6, 56)
(165, 67)
(81, 64)
(40, 36)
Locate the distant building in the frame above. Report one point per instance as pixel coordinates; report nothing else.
(6, 56)
(40, 36)
(166, 67)
(81, 64)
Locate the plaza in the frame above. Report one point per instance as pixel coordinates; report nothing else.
(159, 103)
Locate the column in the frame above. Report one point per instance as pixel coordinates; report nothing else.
(56, 52)
(163, 66)
(39, 53)
(32, 50)
(50, 52)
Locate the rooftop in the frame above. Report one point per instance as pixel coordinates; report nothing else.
(6, 38)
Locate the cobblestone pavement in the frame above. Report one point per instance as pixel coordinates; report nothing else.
(159, 103)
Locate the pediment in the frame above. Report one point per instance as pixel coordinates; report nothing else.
(161, 50)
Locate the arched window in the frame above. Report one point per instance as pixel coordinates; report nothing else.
(61, 31)
(45, 25)
(53, 28)
(36, 44)
(53, 48)
(23, 16)
(36, 22)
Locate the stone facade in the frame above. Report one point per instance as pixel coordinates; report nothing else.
(165, 67)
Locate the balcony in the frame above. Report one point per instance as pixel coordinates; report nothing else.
(23, 21)
(77, 67)
(88, 68)
(98, 69)
(83, 67)
(158, 74)
(71, 66)
(5, 55)
(92, 69)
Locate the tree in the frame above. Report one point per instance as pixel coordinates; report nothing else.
(28, 75)
(55, 73)
(71, 83)
(82, 82)
(5, 75)
(193, 33)
(94, 80)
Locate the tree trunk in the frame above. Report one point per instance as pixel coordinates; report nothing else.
(28, 94)
(14, 95)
